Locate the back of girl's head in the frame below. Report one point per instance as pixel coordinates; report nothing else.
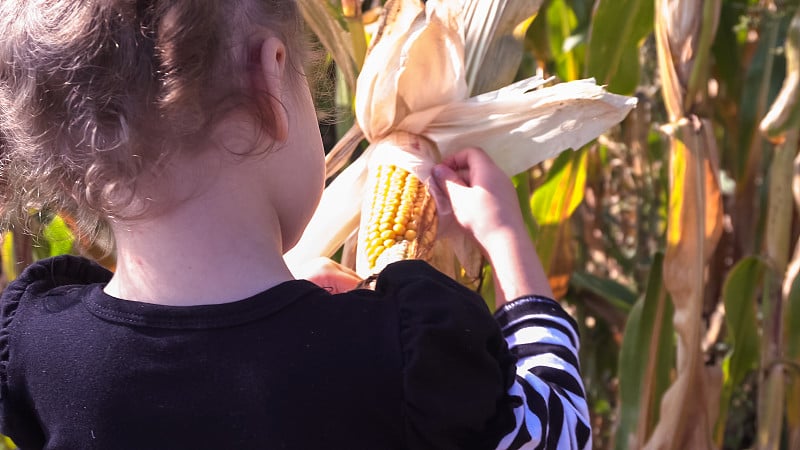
(97, 95)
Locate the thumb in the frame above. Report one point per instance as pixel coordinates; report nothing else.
(444, 175)
(442, 189)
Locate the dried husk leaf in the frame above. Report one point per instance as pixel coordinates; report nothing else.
(340, 154)
(336, 216)
(526, 127)
(415, 63)
(681, 20)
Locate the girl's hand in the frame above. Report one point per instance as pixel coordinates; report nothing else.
(328, 275)
(485, 204)
(483, 199)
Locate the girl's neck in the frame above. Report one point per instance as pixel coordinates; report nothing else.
(221, 245)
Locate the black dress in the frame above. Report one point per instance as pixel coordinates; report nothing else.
(419, 363)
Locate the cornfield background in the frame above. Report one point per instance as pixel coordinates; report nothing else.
(671, 237)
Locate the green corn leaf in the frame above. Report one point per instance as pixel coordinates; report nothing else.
(645, 361)
(791, 340)
(791, 320)
(739, 294)
(522, 184)
(615, 293)
(562, 24)
(618, 28)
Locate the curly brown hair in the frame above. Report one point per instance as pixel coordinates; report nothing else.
(95, 94)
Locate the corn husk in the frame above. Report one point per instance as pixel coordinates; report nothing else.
(417, 156)
(415, 80)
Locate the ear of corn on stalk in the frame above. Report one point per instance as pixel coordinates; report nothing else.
(414, 87)
(398, 217)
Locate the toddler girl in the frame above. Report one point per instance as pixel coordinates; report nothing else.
(186, 128)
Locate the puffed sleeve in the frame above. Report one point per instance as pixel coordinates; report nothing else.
(17, 419)
(457, 366)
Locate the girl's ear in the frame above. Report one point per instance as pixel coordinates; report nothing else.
(268, 80)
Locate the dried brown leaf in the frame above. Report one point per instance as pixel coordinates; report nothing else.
(684, 422)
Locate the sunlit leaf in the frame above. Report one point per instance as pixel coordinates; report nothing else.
(562, 23)
(562, 192)
(9, 256)
(7, 444)
(59, 236)
(551, 205)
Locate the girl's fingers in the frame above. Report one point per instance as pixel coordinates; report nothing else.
(466, 157)
(442, 173)
(469, 163)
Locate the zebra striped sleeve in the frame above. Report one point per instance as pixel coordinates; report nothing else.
(552, 412)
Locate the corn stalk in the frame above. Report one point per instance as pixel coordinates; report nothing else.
(791, 333)
(683, 34)
(781, 125)
(778, 231)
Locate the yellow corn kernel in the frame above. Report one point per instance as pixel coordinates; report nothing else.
(402, 218)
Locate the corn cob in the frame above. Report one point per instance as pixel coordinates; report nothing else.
(402, 218)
